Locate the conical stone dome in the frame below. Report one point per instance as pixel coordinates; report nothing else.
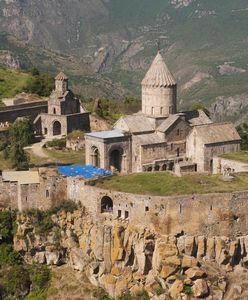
(159, 90)
(159, 75)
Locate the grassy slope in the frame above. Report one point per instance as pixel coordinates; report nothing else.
(239, 156)
(55, 157)
(164, 184)
(12, 82)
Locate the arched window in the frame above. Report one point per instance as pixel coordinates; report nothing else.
(106, 205)
(95, 156)
(54, 111)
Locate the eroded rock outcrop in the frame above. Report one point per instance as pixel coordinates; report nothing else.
(120, 258)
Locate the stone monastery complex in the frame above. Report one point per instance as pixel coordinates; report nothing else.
(159, 138)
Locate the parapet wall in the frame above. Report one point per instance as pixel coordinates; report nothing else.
(32, 110)
(208, 214)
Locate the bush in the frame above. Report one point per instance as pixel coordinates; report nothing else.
(40, 276)
(67, 206)
(8, 256)
(15, 282)
(57, 143)
(41, 220)
(187, 290)
(7, 225)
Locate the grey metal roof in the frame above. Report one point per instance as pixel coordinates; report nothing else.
(159, 75)
(107, 134)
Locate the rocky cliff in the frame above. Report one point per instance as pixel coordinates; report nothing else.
(120, 258)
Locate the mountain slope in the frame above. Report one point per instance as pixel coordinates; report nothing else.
(108, 45)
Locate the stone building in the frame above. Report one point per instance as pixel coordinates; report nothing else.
(159, 138)
(65, 113)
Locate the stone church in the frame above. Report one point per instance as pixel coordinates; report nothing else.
(65, 112)
(159, 138)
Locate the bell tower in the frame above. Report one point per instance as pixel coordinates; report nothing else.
(61, 83)
(159, 90)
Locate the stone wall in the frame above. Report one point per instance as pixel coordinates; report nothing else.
(31, 110)
(8, 194)
(50, 192)
(207, 214)
(219, 164)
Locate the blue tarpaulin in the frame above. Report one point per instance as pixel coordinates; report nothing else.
(86, 172)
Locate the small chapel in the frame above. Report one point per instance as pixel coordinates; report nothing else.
(65, 112)
(159, 138)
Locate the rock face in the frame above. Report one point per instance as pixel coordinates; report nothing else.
(119, 257)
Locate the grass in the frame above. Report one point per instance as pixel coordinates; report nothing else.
(165, 184)
(12, 82)
(56, 157)
(239, 156)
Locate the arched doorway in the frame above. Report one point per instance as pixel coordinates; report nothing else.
(106, 205)
(56, 128)
(95, 157)
(115, 159)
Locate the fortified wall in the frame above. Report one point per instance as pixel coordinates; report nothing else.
(218, 214)
(207, 214)
(32, 110)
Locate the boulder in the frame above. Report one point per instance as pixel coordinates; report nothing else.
(195, 273)
(189, 262)
(189, 246)
(210, 251)
(168, 270)
(176, 289)
(201, 250)
(200, 288)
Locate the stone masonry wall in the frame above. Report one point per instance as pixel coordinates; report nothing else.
(10, 113)
(208, 214)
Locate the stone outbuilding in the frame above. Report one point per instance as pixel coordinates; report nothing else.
(158, 138)
(65, 112)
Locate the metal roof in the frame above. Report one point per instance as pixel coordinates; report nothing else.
(107, 134)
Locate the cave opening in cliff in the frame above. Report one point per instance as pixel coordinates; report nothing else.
(106, 205)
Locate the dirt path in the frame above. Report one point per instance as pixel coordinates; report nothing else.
(37, 149)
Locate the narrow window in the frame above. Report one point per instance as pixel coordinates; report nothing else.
(126, 214)
(147, 208)
(119, 213)
(180, 208)
(47, 193)
(54, 111)
(178, 132)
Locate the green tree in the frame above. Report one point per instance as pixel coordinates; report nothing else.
(243, 132)
(200, 106)
(21, 134)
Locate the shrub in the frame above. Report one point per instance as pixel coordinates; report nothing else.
(67, 206)
(40, 276)
(8, 256)
(15, 282)
(187, 290)
(7, 225)
(41, 220)
(141, 295)
(57, 143)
